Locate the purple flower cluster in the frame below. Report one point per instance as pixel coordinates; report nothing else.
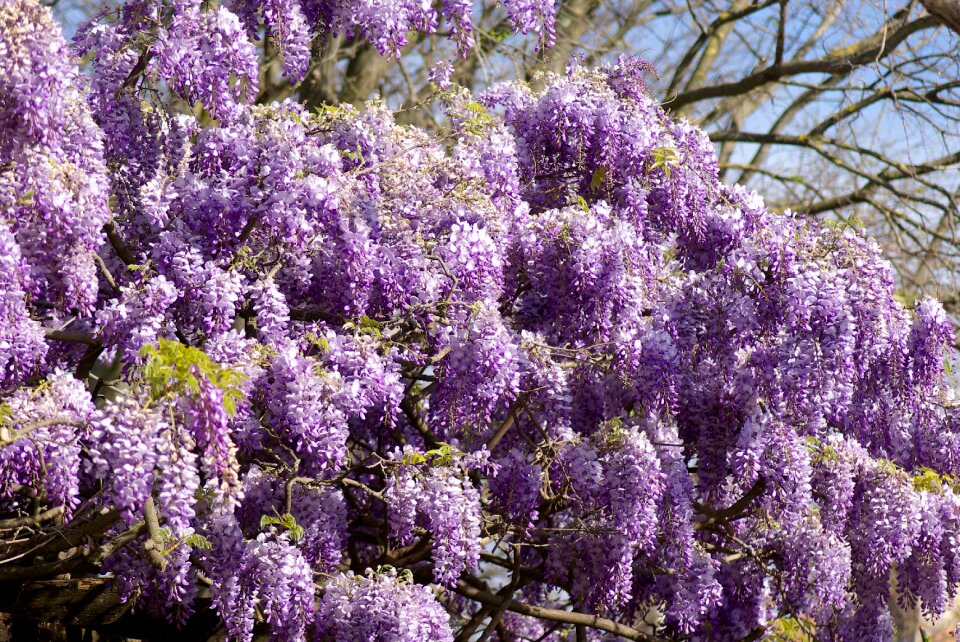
(168, 593)
(125, 442)
(199, 55)
(210, 294)
(618, 485)
(22, 347)
(266, 574)
(301, 402)
(40, 442)
(273, 313)
(443, 500)
(137, 317)
(53, 179)
(533, 15)
(380, 607)
(209, 425)
(479, 375)
(321, 512)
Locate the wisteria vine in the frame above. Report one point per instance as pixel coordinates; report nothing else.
(533, 375)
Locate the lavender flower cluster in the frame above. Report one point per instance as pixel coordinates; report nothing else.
(544, 353)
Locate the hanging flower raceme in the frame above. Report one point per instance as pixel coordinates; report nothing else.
(53, 179)
(432, 491)
(380, 607)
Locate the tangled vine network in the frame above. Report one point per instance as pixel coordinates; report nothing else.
(535, 374)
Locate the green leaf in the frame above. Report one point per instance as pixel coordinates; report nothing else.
(173, 368)
(320, 343)
(269, 520)
(204, 493)
(412, 459)
(790, 629)
(927, 479)
(480, 120)
(199, 541)
(287, 522)
(369, 326)
(582, 202)
(497, 35)
(598, 177)
(443, 455)
(27, 197)
(820, 451)
(665, 158)
(353, 155)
